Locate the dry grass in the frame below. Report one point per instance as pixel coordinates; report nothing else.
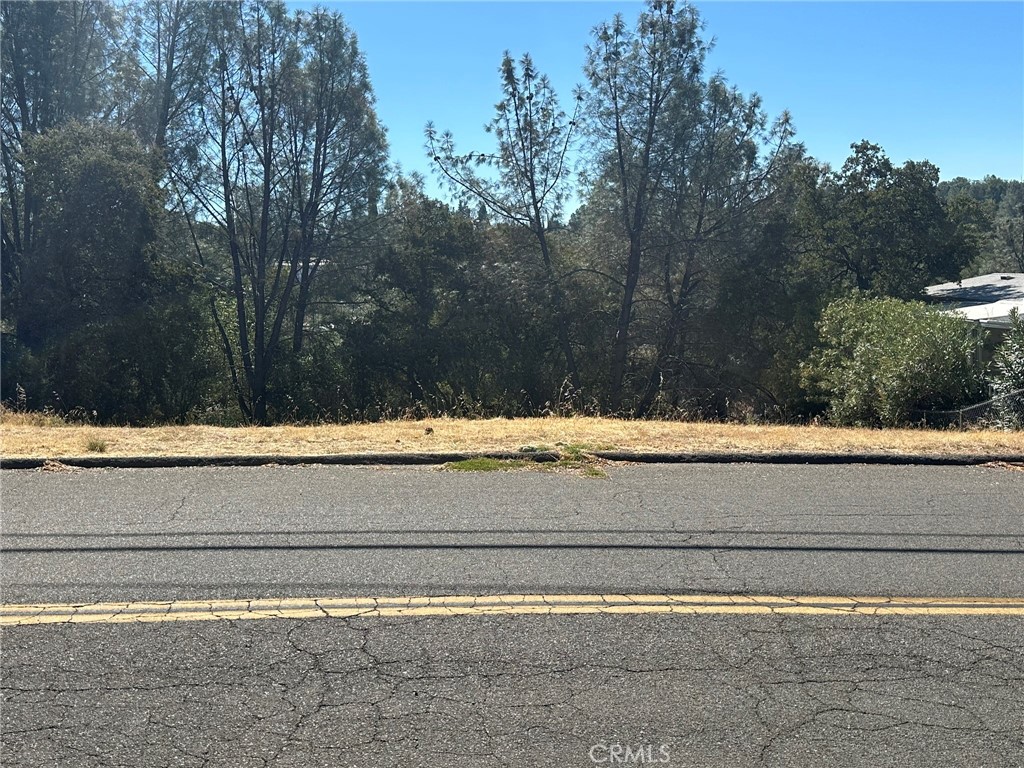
(36, 436)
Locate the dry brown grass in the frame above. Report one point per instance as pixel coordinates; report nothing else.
(29, 419)
(24, 435)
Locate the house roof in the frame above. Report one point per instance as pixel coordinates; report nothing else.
(984, 289)
(994, 315)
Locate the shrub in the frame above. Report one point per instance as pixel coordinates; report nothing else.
(1008, 376)
(878, 360)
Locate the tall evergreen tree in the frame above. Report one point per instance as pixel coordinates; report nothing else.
(530, 170)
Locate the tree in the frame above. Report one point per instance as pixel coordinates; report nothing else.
(993, 209)
(292, 160)
(96, 228)
(162, 74)
(534, 136)
(337, 153)
(683, 164)
(881, 228)
(702, 223)
(721, 317)
(1007, 241)
(426, 337)
(55, 63)
(642, 82)
(110, 318)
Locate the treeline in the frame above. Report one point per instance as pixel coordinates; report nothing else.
(200, 224)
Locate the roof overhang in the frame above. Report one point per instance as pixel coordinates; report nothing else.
(994, 315)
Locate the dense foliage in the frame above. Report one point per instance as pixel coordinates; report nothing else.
(880, 360)
(1008, 378)
(199, 223)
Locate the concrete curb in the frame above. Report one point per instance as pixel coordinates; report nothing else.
(351, 459)
(924, 459)
(419, 459)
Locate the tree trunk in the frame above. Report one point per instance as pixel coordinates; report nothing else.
(301, 303)
(557, 299)
(620, 344)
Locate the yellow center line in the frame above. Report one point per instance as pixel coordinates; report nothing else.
(500, 605)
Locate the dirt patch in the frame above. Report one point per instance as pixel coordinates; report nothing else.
(1010, 465)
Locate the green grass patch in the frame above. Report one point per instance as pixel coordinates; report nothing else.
(482, 464)
(576, 451)
(574, 464)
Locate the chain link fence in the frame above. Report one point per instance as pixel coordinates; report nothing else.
(989, 412)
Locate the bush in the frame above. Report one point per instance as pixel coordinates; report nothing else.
(879, 360)
(1008, 376)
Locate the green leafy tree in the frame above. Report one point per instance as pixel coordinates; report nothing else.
(881, 228)
(111, 319)
(758, 311)
(703, 226)
(879, 360)
(448, 320)
(426, 335)
(1008, 231)
(97, 229)
(994, 209)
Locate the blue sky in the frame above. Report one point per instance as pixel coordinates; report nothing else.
(942, 81)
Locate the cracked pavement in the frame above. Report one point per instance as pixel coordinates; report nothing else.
(772, 689)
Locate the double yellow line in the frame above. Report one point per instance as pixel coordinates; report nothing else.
(499, 605)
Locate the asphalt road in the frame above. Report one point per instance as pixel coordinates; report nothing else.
(729, 686)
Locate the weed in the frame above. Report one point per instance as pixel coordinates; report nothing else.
(535, 448)
(581, 465)
(95, 445)
(575, 451)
